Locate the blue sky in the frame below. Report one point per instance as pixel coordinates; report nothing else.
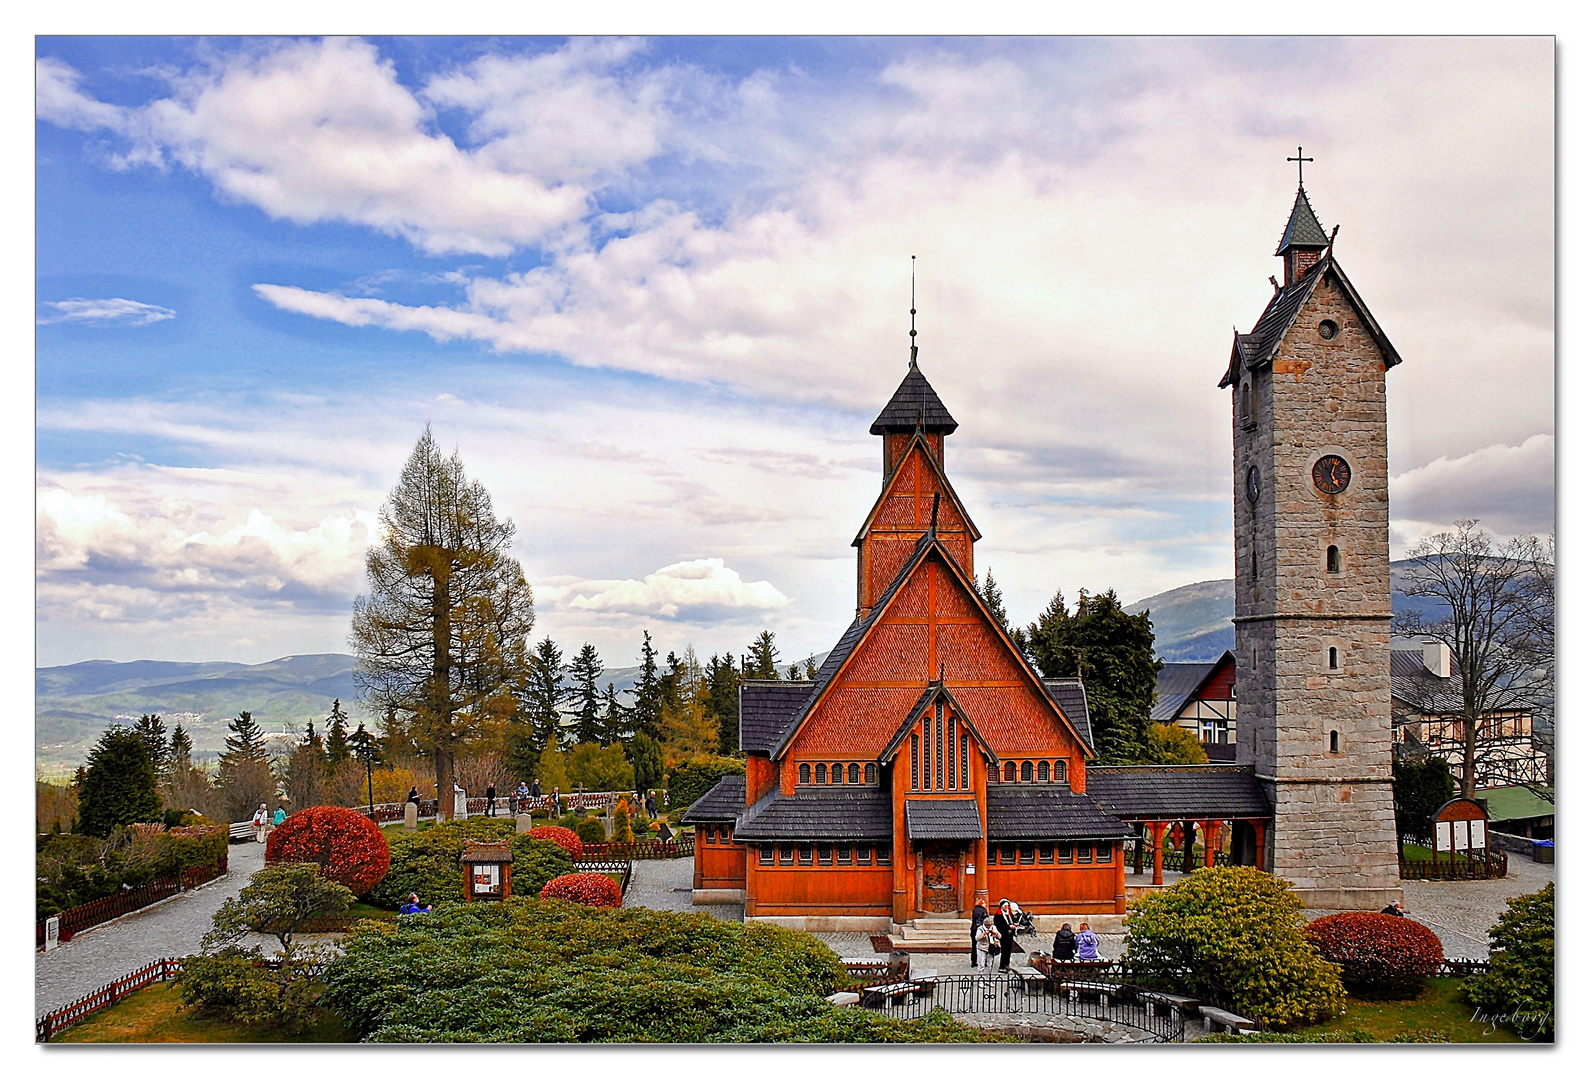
(656, 290)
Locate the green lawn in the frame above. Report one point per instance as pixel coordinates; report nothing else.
(1439, 1014)
(151, 1015)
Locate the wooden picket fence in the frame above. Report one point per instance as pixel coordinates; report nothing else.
(76, 920)
(1492, 866)
(53, 1023)
(681, 848)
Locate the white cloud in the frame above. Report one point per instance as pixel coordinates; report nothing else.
(113, 311)
(1509, 489)
(697, 590)
(323, 131)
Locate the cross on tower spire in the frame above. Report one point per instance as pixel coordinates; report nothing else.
(1300, 159)
(914, 311)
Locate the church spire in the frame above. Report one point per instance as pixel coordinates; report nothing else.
(913, 364)
(1302, 241)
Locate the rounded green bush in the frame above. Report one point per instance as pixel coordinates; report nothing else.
(1518, 986)
(427, 862)
(1233, 936)
(590, 831)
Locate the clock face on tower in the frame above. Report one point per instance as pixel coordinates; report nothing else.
(1331, 474)
(1252, 484)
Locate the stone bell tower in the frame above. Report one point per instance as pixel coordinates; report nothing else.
(1313, 603)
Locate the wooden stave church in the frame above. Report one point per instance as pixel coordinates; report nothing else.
(963, 774)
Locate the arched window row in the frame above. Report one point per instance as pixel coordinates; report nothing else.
(1029, 772)
(839, 772)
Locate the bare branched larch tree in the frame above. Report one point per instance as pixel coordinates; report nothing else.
(440, 636)
(1500, 626)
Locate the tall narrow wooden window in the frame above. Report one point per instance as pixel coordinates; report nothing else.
(1044, 772)
(806, 774)
(872, 773)
(939, 749)
(915, 785)
(823, 773)
(836, 773)
(966, 782)
(1060, 772)
(950, 746)
(1010, 772)
(853, 774)
(1027, 772)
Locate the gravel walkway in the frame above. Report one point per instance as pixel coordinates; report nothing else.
(110, 950)
(1461, 912)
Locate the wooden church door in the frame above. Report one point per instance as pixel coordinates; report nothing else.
(940, 865)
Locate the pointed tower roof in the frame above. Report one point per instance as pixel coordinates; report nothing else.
(1303, 228)
(914, 404)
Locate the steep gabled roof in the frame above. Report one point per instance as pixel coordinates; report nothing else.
(928, 544)
(1258, 347)
(767, 709)
(914, 405)
(934, 692)
(1303, 227)
(724, 801)
(1070, 695)
(944, 484)
(1177, 684)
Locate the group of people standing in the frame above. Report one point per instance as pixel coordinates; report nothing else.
(995, 936)
(264, 822)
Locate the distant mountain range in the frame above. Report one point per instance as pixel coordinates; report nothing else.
(74, 703)
(1194, 622)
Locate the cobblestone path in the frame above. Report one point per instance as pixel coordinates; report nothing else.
(665, 885)
(170, 928)
(1462, 911)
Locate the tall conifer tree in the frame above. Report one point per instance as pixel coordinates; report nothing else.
(584, 671)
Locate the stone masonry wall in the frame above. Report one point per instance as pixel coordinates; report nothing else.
(1334, 834)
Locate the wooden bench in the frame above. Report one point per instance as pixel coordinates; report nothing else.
(1154, 998)
(1032, 978)
(1227, 1021)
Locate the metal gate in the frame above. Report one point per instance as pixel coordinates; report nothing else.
(1108, 1000)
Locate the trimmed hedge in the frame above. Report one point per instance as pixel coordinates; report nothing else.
(592, 890)
(1380, 955)
(567, 839)
(1233, 936)
(1518, 987)
(347, 846)
(529, 971)
(591, 831)
(427, 862)
(72, 870)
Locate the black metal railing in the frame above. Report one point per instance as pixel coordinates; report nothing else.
(1097, 996)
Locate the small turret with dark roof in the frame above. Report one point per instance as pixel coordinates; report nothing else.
(1302, 241)
(914, 406)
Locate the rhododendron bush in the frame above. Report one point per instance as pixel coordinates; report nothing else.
(346, 845)
(564, 838)
(1384, 955)
(592, 890)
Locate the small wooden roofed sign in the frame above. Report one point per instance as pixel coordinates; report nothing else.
(488, 871)
(1460, 825)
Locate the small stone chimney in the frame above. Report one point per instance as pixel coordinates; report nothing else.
(1438, 659)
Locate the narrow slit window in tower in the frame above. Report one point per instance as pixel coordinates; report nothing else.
(1336, 742)
(1333, 560)
(1331, 658)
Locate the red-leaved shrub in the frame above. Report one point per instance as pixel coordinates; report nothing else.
(592, 890)
(1381, 955)
(346, 845)
(564, 838)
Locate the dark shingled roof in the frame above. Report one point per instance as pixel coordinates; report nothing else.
(840, 814)
(1303, 227)
(1256, 348)
(914, 402)
(943, 819)
(1177, 683)
(767, 710)
(1020, 812)
(1178, 792)
(1418, 686)
(724, 801)
(1070, 695)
